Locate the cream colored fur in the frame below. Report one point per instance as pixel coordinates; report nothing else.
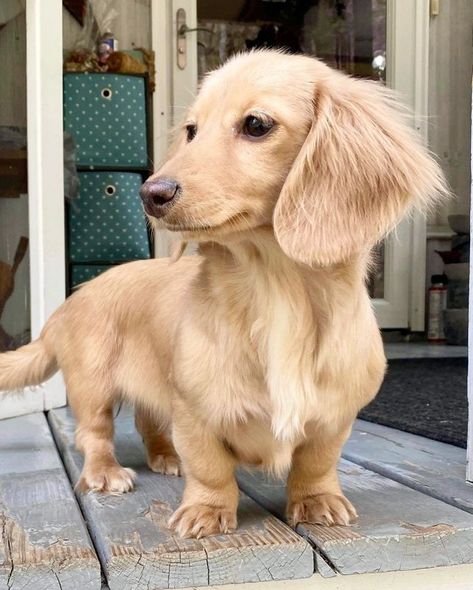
(262, 349)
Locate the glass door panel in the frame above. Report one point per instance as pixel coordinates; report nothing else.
(349, 35)
(14, 256)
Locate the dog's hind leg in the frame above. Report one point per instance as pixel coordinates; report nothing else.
(160, 452)
(92, 404)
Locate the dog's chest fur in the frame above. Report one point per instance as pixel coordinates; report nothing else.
(245, 360)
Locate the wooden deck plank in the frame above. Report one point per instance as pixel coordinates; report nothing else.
(398, 528)
(432, 467)
(44, 543)
(423, 350)
(138, 551)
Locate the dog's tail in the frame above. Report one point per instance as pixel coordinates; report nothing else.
(29, 365)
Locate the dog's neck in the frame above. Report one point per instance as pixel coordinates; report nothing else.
(259, 253)
(285, 308)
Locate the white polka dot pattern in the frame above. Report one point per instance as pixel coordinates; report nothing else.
(109, 128)
(106, 225)
(81, 273)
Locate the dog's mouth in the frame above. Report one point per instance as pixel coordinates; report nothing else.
(234, 222)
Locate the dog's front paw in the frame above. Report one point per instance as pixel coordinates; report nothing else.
(165, 464)
(111, 480)
(326, 509)
(199, 520)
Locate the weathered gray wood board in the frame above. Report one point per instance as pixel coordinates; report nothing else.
(398, 528)
(432, 467)
(137, 550)
(44, 544)
(423, 350)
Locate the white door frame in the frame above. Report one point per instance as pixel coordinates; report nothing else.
(45, 185)
(161, 32)
(175, 86)
(407, 48)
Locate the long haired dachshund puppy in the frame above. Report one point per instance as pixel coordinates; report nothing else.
(262, 349)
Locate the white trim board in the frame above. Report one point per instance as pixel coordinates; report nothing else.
(441, 578)
(45, 176)
(51, 394)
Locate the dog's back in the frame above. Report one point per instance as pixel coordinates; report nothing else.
(124, 298)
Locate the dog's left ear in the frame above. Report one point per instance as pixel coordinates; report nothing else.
(360, 168)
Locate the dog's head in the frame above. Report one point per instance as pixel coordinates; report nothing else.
(284, 141)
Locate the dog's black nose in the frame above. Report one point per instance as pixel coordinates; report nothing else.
(158, 195)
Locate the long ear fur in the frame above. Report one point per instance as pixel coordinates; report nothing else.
(360, 169)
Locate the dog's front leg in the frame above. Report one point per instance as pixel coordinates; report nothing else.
(314, 493)
(210, 500)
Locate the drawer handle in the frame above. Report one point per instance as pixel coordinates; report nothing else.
(110, 190)
(107, 93)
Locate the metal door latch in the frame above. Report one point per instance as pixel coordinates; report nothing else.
(181, 31)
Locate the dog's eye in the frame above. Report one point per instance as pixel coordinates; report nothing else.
(191, 131)
(257, 126)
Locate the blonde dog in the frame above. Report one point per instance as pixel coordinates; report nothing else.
(262, 349)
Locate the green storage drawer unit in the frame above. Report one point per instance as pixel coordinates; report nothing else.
(81, 273)
(106, 115)
(106, 221)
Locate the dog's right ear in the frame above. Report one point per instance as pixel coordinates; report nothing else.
(360, 168)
